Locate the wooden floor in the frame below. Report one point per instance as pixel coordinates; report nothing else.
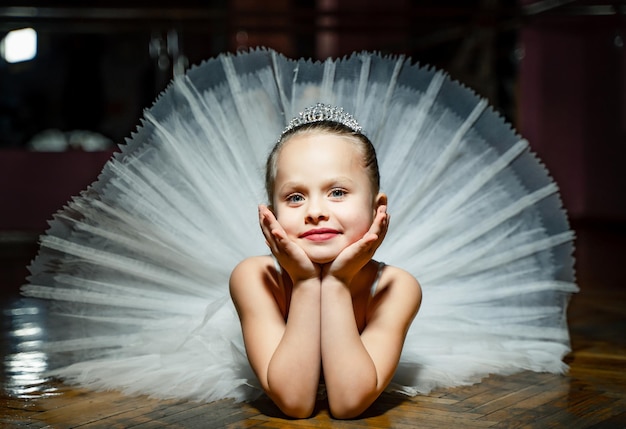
(592, 395)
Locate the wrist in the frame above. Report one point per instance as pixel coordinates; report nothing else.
(298, 275)
(306, 283)
(332, 276)
(333, 282)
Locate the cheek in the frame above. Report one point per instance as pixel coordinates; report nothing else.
(285, 219)
(360, 220)
(366, 223)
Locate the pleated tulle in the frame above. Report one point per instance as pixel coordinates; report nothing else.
(135, 269)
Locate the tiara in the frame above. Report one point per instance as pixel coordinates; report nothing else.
(323, 112)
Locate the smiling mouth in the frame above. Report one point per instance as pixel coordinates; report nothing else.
(322, 234)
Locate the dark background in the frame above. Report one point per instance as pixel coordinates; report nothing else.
(553, 68)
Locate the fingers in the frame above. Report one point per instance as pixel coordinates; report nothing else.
(377, 232)
(289, 255)
(275, 236)
(379, 227)
(383, 223)
(357, 254)
(272, 231)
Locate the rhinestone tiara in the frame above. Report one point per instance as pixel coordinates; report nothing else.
(323, 112)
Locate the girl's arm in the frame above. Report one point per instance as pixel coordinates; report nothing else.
(357, 368)
(285, 356)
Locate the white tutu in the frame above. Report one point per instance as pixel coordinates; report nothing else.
(136, 268)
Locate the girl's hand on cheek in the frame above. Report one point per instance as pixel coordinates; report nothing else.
(289, 255)
(355, 256)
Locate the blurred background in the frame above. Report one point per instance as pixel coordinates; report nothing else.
(74, 80)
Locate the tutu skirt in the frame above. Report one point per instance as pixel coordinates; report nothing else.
(135, 269)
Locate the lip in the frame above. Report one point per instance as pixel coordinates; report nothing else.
(320, 234)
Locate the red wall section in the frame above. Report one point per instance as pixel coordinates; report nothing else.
(34, 185)
(572, 79)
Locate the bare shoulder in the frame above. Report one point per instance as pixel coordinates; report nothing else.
(254, 264)
(256, 291)
(393, 306)
(252, 273)
(392, 276)
(400, 286)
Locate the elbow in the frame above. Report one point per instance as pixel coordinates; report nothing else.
(347, 411)
(296, 398)
(348, 399)
(297, 408)
(294, 405)
(350, 406)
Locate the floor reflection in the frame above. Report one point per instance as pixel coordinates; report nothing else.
(24, 363)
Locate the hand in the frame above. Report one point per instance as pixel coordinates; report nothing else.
(354, 257)
(289, 255)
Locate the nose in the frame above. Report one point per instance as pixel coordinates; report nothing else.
(316, 211)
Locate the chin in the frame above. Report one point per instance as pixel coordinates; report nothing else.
(318, 258)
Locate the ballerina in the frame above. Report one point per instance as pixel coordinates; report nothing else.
(135, 270)
(328, 304)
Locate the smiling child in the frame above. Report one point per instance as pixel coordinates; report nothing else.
(320, 306)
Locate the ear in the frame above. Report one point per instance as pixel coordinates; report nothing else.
(380, 200)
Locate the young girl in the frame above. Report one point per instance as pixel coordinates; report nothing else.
(135, 270)
(326, 309)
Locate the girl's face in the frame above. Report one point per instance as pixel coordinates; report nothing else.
(323, 196)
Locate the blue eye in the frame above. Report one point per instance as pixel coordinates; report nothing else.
(337, 193)
(295, 198)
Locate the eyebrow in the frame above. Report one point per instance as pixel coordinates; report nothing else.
(333, 180)
(340, 179)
